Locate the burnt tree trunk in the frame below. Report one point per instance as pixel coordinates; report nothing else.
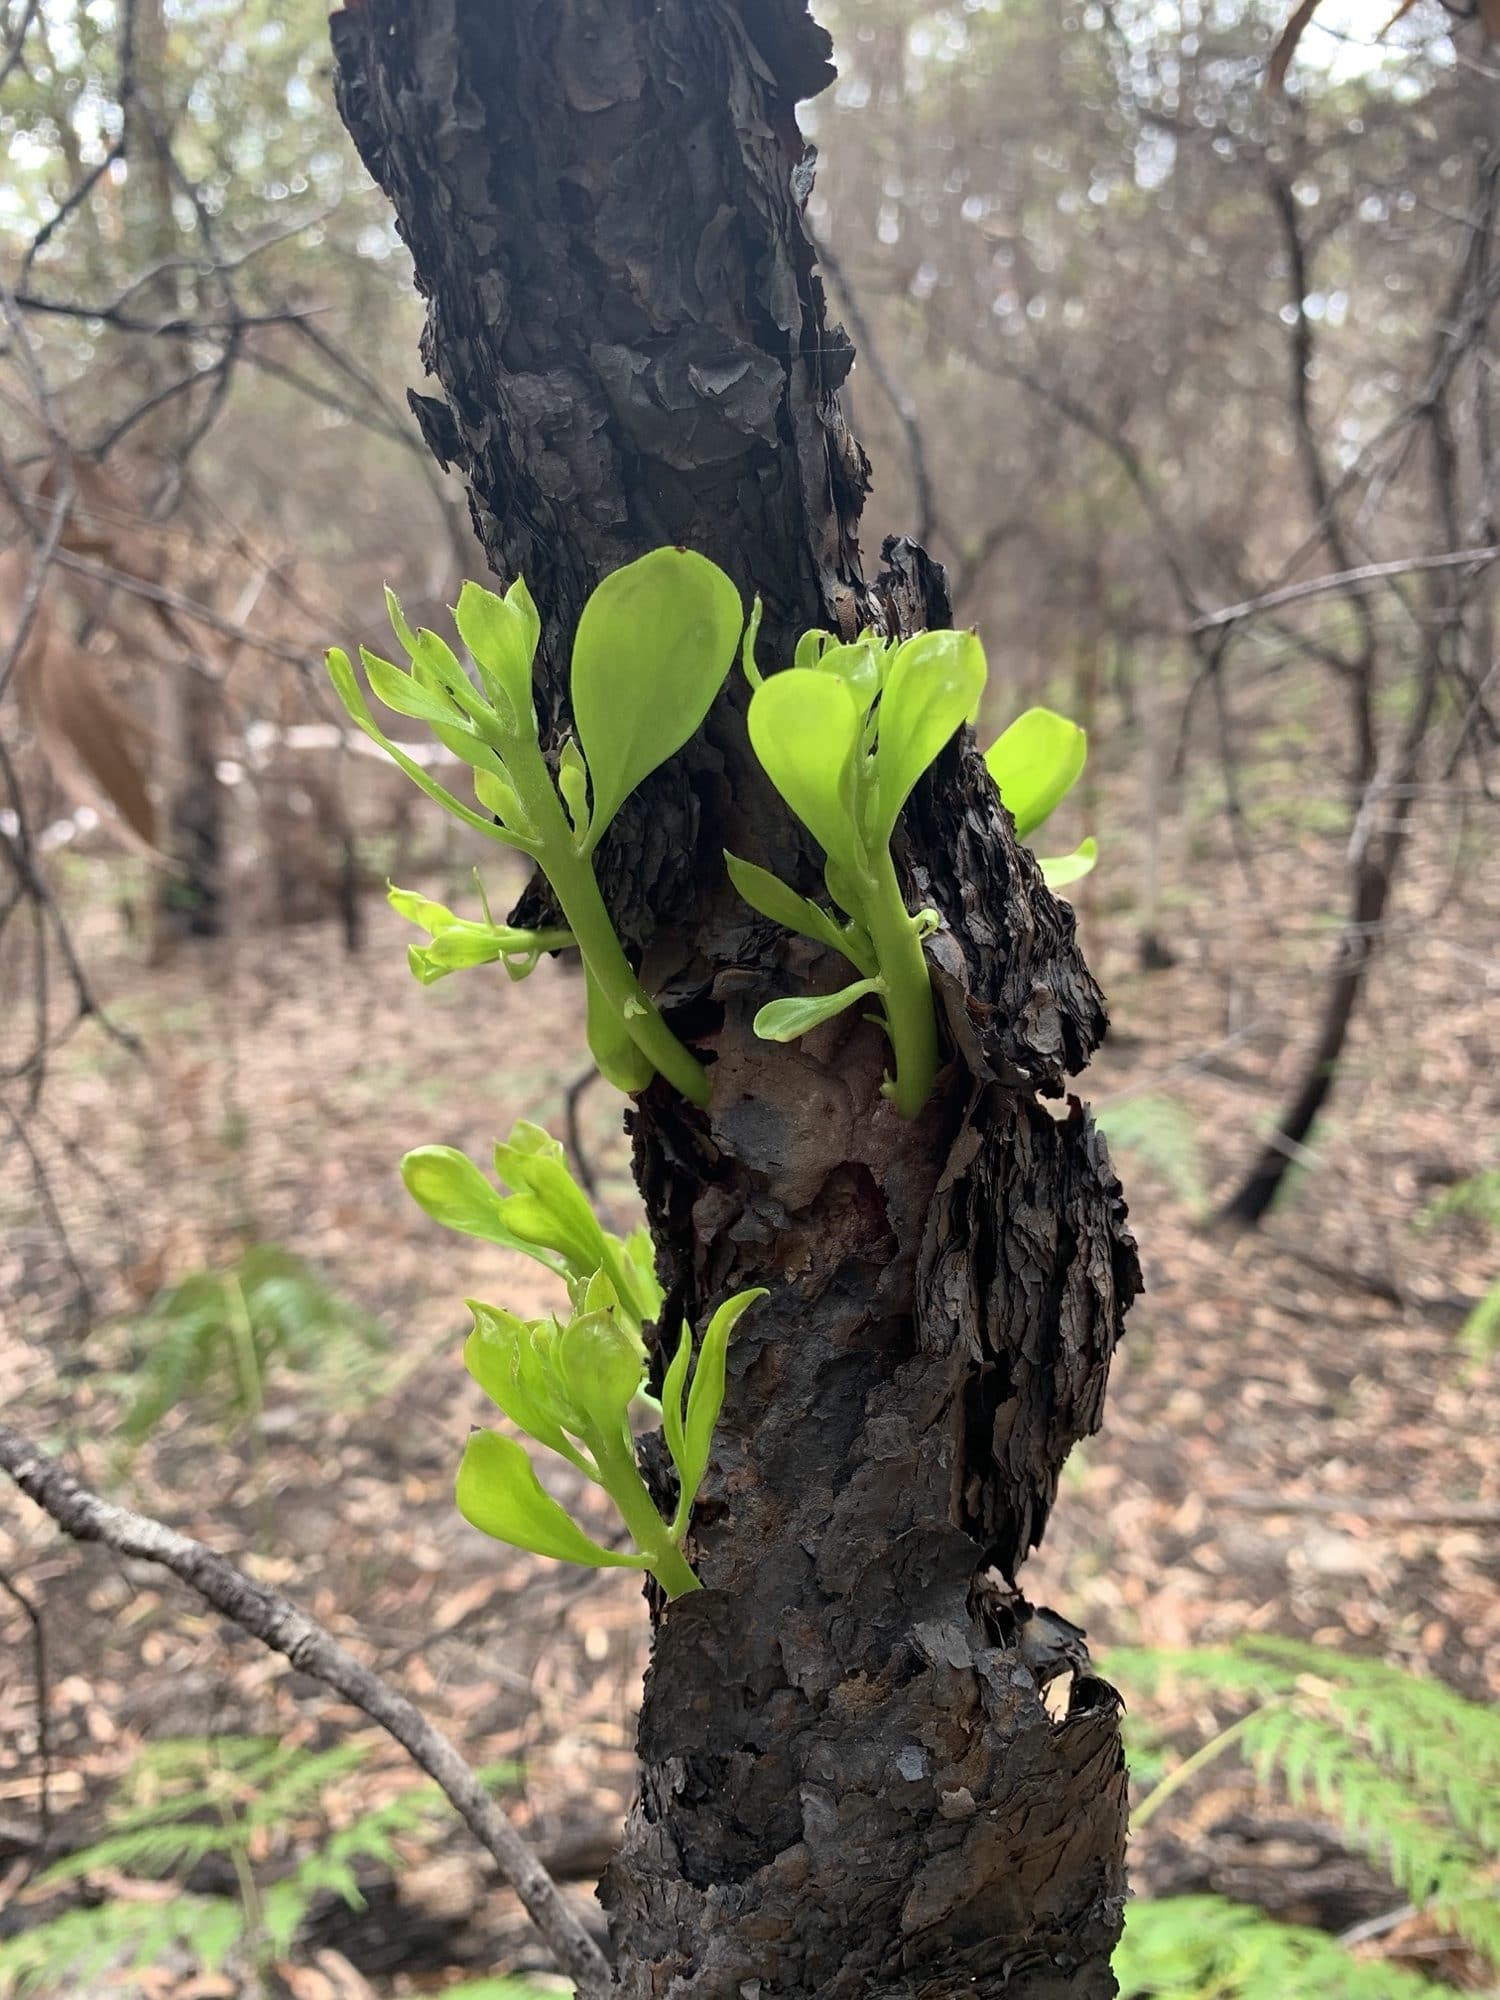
(851, 1783)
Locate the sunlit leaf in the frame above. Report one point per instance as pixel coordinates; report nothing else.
(346, 686)
(499, 1493)
(501, 637)
(1036, 763)
(447, 1185)
(542, 1218)
(767, 893)
(419, 909)
(498, 797)
(602, 1366)
(493, 1355)
(706, 1397)
(1058, 871)
(860, 665)
(653, 647)
(785, 1020)
(931, 686)
(805, 729)
(399, 692)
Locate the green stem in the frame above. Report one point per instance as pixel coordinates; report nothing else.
(572, 877)
(909, 1009)
(249, 1893)
(648, 1530)
(1190, 1766)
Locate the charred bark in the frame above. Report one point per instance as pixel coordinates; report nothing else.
(851, 1783)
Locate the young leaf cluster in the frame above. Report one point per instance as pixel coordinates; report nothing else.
(543, 1214)
(652, 649)
(570, 1385)
(1035, 763)
(1408, 1769)
(844, 734)
(455, 943)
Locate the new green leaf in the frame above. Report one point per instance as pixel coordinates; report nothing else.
(1058, 871)
(499, 1493)
(447, 1185)
(502, 639)
(654, 645)
(706, 1397)
(1036, 763)
(767, 893)
(805, 728)
(932, 685)
(785, 1020)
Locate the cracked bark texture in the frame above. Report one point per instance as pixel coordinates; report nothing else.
(851, 1784)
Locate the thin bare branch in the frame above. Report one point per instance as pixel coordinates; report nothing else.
(279, 1624)
(1343, 581)
(868, 351)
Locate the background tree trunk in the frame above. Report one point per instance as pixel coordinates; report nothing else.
(189, 713)
(851, 1783)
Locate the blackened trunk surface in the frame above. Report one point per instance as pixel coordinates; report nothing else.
(851, 1784)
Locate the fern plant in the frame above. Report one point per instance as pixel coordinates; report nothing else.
(1206, 1948)
(1163, 1133)
(1474, 1199)
(1408, 1770)
(190, 1800)
(217, 1336)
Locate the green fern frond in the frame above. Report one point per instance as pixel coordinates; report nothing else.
(220, 1333)
(185, 1799)
(1479, 1335)
(1473, 1199)
(120, 1939)
(1407, 1769)
(149, 1851)
(1204, 1948)
(1163, 1133)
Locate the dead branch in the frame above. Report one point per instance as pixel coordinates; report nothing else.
(924, 508)
(1345, 581)
(279, 1624)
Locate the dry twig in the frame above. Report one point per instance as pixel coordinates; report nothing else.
(279, 1624)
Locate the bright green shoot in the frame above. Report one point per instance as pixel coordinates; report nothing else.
(652, 649)
(571, 1384)
(844, 734)
(457, 942)
(547, 1216)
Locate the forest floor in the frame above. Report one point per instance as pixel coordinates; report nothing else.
(1291, 1422)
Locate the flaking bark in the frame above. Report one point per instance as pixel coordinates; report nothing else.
(850, 1784)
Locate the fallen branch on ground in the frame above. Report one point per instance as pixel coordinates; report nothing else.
(277, 1622)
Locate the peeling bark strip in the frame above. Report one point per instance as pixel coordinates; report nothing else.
(851, 1785)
